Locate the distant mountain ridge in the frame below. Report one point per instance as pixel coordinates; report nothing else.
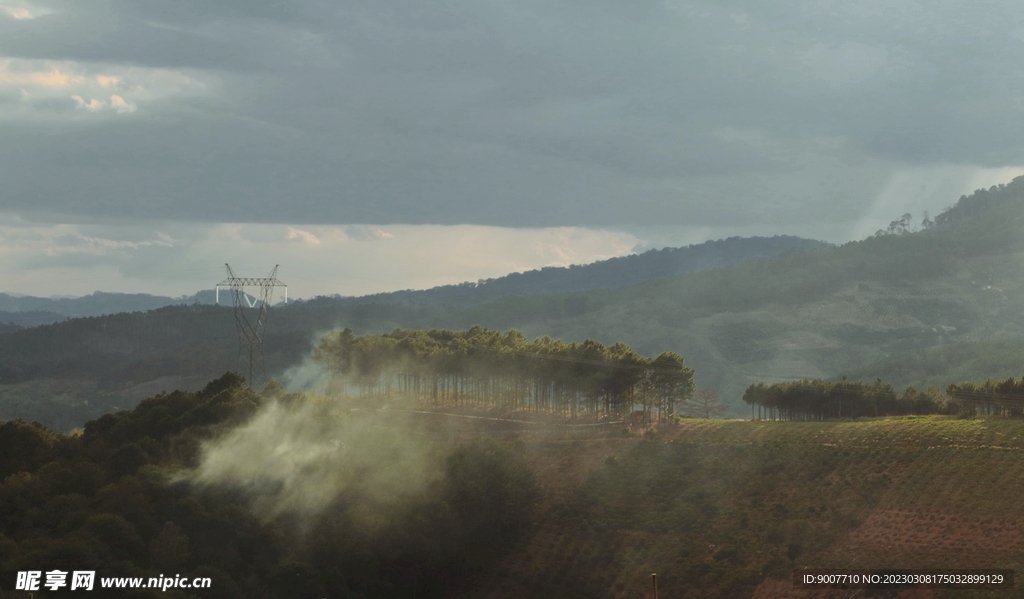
(94, 304)
(27, 311)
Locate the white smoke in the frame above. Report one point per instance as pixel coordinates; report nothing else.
(301, 458)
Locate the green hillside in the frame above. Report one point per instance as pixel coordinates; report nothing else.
(378, 504)
(142, 493)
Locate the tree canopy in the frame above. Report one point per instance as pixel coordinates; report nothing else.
(487, 368)
(822, 400)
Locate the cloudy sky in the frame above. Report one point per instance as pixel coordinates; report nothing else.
(370, 145)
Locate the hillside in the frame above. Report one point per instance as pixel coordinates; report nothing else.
(187, 482)
(937, 366)
(822, 313)
(142, 493)
(807, 314)
(718, 508)
(611, 273)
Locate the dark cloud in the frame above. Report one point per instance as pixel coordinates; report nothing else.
(520, 113)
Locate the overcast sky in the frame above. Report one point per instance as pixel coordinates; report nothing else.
(370, 145)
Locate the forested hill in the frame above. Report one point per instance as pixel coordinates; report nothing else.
(813, 314)
(608, 274)
(982, 201)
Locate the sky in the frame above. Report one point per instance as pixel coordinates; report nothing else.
(373, 145)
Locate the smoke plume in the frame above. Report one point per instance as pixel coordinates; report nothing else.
(304, 456)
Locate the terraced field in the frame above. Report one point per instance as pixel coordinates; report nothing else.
(719, 508)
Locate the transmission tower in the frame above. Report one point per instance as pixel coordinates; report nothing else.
(251, 319)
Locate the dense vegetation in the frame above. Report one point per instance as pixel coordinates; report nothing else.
(981, 201)
(118, 499)
(480, 367)
(127, 347)
(825, 400)
(1002, 397)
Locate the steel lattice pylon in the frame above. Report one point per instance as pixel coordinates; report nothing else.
(251, 319)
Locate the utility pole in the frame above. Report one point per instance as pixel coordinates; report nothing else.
(251, 318)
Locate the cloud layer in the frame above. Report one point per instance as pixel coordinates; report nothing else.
(180, 258)
(518, 114)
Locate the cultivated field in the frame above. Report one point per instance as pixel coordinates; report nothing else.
(719, 508)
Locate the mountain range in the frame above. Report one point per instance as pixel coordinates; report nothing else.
(907, 306)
